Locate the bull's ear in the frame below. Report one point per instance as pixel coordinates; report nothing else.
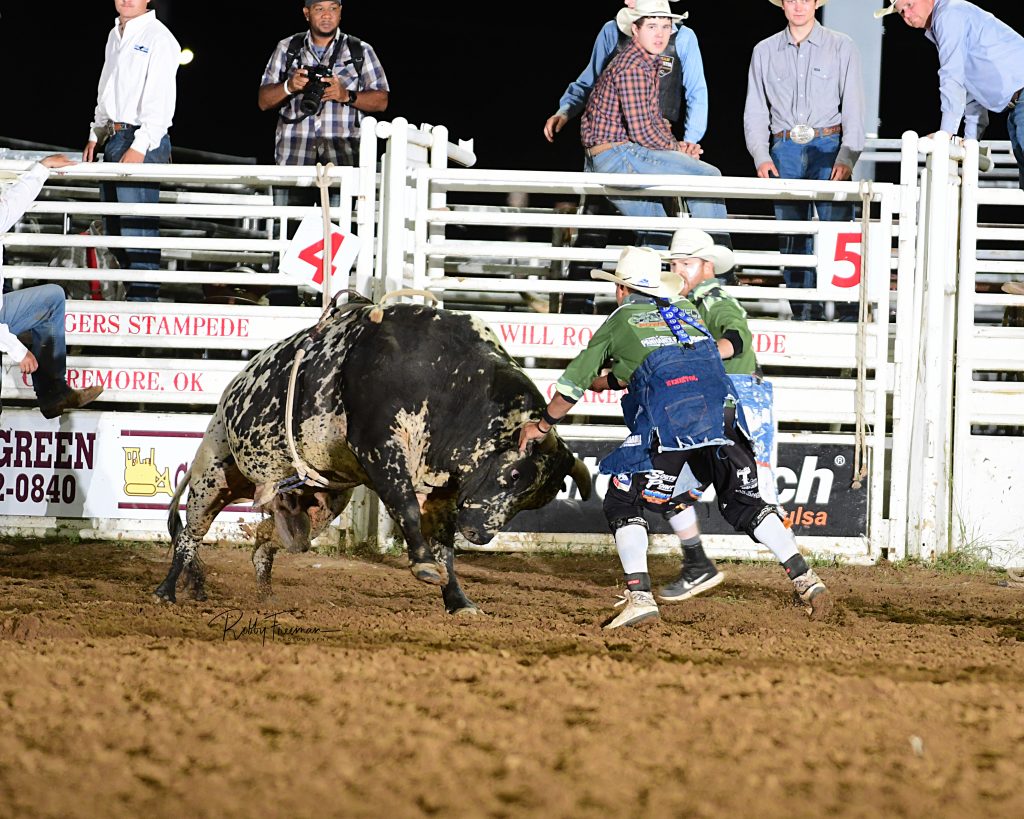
(584, 481)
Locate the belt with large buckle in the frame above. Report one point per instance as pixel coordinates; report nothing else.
(802, 137)
(114, 127)
(604, 146)
(1014, 99)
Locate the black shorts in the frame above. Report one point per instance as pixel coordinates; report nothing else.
(731, 469)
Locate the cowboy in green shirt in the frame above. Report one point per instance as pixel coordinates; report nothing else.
(684, 435)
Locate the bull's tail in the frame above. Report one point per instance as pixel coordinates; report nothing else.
(174, 524)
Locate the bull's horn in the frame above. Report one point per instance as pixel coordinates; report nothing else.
(581, 475)
(548, 444)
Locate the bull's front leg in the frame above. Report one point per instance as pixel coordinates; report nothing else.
(423, 564)
(439, 515)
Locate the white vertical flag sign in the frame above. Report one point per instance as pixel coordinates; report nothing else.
(304, 259)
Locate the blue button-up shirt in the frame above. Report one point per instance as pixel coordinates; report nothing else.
(695, 87)
(981, 64)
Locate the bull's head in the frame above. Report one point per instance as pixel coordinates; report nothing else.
(506, 483)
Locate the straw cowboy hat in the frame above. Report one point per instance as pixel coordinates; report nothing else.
(645, 8)
(690, 243)
(818, 6)
(890, 9)
(639, 268)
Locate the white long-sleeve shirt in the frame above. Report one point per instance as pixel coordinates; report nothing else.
(13, 204)
(137, 84)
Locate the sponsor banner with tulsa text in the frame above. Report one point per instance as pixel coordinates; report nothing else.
(814, 489)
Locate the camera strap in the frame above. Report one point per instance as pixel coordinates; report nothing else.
(298, 42)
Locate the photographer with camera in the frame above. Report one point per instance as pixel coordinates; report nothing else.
(321, 81)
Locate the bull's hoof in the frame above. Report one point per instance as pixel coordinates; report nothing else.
(199, 595)
(433, 573)
(467, 611)
(162, 596)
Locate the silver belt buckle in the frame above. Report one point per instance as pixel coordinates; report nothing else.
(801, 134)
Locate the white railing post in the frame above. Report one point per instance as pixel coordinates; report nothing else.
(964, 372)
(366, 207)
(393, 192)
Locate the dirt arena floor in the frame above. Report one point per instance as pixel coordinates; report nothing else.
(368, 700)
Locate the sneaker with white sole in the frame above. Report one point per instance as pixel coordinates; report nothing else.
(812, 593)
(639, 606)
(692, 580)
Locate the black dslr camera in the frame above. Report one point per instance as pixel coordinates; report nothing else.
(313, 93)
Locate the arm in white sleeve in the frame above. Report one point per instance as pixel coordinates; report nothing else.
(13, 204)
(156, 110)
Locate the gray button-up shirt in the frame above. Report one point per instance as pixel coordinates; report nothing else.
(817, 82)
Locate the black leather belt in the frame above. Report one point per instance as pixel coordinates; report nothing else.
(1014, 99)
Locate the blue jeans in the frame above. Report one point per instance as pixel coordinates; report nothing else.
(631, 158)
(131, 193)
(1015, 125)
(41, 311)
(811, 161)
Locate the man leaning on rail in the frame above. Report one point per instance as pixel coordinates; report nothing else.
(38, 310)
(682, 94)
(981, 66)
(623, 130)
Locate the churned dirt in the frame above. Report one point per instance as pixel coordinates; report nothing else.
(368, 700)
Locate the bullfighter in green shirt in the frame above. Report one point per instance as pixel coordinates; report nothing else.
(685, 432)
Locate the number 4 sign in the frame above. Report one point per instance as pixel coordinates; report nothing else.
(840, 259)
(304, 259)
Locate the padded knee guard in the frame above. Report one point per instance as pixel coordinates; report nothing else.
(755, 517)
(636, 520)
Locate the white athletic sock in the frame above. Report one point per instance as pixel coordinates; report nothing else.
(684, 523)
(631, 542)
(771, 533)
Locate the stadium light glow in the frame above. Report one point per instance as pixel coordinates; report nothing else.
(186, 56)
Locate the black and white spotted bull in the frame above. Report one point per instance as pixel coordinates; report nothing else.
(420, 404)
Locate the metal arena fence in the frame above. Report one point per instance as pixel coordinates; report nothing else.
(896, 432)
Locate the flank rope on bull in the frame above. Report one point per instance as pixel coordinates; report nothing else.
(860, 469)
(305, 475)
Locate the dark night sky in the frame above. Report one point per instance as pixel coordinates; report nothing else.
(495, 82)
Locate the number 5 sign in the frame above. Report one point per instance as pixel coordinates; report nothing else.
(304, 259)
(840, 259)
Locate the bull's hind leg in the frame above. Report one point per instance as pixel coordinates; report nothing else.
(216, 481)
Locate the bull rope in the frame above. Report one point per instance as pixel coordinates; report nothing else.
(305, 475)
(860, 470)
(324, 183)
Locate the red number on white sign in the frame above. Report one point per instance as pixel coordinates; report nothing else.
(314, 255)
(843, 241)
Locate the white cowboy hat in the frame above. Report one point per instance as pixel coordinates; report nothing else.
(639, 268)
(890, 9)
(690, 243)
(779, 3)
(645, 8)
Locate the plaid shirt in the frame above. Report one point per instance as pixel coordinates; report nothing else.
(325, 136)
(625, 105)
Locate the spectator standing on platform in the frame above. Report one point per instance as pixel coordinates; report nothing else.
(804, 119)
(623, 130)
(351, 83)
(981, 66)
(38, 310)
(684, 433)
(134, 110)
(681, 78)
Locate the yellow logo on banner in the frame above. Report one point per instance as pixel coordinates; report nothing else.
(142, 478)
